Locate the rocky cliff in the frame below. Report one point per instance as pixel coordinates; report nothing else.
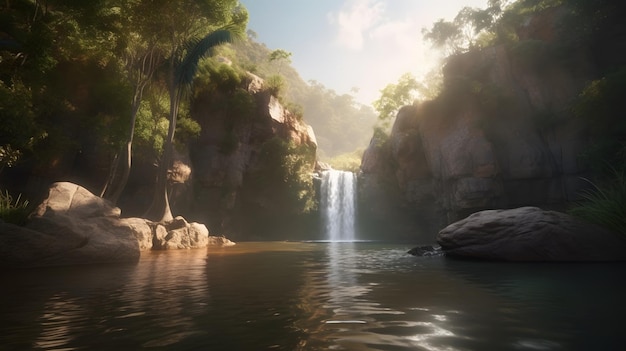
(502, 134)
(240, 174)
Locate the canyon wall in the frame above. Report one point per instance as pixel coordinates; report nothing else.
(502, 134)
(239, 176)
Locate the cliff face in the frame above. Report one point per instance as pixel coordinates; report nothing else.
(232, 177)
(238, 160)
(501, 135)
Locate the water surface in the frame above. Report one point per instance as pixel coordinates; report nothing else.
(313, 296)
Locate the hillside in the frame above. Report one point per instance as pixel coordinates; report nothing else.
(341, 124)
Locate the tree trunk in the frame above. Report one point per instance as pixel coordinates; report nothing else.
(113, 189)
(159, 210)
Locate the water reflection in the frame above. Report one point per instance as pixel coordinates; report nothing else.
(313, 296)
(349, 309)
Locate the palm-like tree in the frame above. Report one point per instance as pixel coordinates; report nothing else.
(183, 65)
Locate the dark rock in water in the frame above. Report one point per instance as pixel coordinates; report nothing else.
(530, 234)
(427, 250)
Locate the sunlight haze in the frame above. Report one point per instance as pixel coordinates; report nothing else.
(353, 46)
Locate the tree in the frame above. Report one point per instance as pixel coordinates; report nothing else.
(141, 59)
(43, 43)
(394, 96)
(462, 33)
(186, 50)
(280, 56)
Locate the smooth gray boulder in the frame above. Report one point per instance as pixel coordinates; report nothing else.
(530, 234)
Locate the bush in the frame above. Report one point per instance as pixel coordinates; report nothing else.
(285, 175)
(217, 76)
(605, 204)
(276, 85)
(13, 211)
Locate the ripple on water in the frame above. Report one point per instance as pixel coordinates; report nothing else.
(314, 296)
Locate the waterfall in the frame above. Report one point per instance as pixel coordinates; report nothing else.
(338, 203)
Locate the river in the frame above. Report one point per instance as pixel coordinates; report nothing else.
(313, 296)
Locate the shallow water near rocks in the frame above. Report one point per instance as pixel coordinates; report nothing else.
(313, 296)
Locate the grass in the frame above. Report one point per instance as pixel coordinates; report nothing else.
(605, 204)
(12, 210)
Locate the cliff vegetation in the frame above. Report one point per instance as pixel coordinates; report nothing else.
(528, 113)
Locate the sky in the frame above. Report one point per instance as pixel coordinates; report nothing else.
(348, 44)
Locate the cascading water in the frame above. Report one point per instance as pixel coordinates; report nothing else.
(339, 204)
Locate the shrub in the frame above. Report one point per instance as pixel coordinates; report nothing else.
(275, 85)
(217, 76)
(296, 109)
(13, 211)
(605, 204)
(285, 175)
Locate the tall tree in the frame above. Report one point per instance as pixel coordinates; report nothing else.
(394, 96)
(140, 59)
(41, 44)
(188, 43)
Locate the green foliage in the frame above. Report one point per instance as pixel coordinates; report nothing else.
(281, 57)
(475, 28)
(151, 125)
(605, 204)
(198, 49)
(380, 137)
(242, 105)
(340, 123)
(276, 85)
(279, 54)
(19, 130)
(463, 33)
(347, 162)
(601, 104)
(286, 175)
(13, 211)
(187, 129)
(394, 96)
(215, 76)
(296, 109)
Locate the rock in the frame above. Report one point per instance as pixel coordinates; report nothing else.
(229, 153)
(142, 229)
(69, 199)
(426, 251)
(178, 234)
(530, 234)
(502, 135)
(220, 241)
(73, 226)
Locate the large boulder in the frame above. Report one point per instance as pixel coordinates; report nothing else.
(530, 234)
(73, 226)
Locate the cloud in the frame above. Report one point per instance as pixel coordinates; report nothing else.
(377, 41)
(355, 20)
